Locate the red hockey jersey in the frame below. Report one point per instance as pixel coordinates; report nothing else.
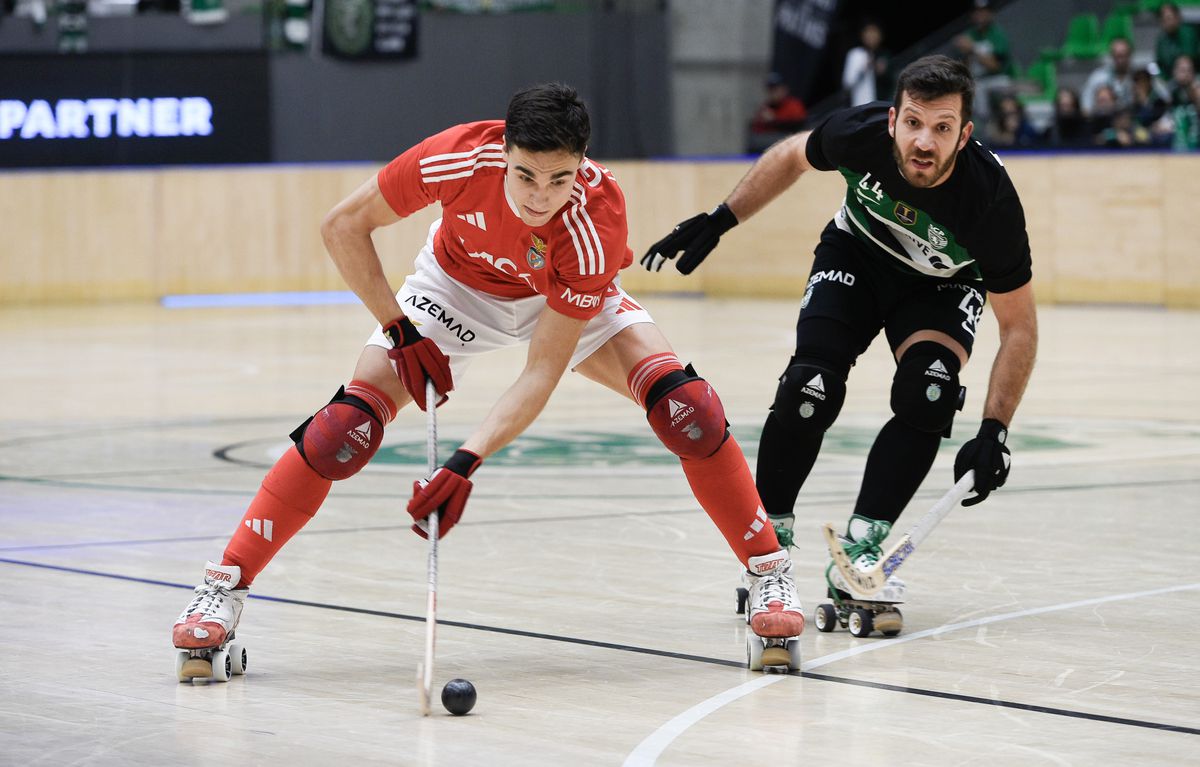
(482, 241)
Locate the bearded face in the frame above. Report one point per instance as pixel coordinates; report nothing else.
(927, 136)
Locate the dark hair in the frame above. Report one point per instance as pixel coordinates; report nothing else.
(547, 118)
(931, 77)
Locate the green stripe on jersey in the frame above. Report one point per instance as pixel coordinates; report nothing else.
(903, 231)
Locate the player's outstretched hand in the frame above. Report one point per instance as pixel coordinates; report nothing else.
(418, 358)
(696, 237)
(446, 492)
(987, 454)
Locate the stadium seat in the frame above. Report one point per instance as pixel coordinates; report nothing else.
(1083, 37)
(1117, 25)
(1043, 76)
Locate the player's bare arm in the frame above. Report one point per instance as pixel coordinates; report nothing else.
(778, 168)
(1016, 316)
(550, 349)
(346, 231)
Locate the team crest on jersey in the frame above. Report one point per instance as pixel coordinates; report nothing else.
(536, 255)
(937, 238)
(904, 214)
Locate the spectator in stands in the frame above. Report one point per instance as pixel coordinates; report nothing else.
(1114, 73)
(1010, 127)
(1070, 128)
(1124, 132)
(1176, 39)
(1183, 77)
(780, 115)
(865, 73)
(985, 49)
(1186, 118)
(1150, 109)
(1104, 109)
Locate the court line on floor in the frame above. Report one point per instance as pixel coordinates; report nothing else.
(681, 723)
(647, 752)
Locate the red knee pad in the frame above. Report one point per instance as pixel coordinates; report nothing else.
(689, 419)
(340, 439)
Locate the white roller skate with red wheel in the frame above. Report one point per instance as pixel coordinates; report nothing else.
(860, 613)
(774, 613)
(204, 632)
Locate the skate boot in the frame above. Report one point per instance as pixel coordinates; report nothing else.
(204, 632)
(862, 613)
(783, 531)
(774, 614)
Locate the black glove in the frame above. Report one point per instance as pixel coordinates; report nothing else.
(696, 237)
(987, 454)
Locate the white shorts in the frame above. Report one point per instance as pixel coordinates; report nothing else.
(465, 322)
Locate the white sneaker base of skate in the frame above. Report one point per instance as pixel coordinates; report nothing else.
(211, 663)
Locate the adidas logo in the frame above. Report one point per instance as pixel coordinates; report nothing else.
(260, 527)
(628, 306)
(815, 387)
(938, 370)
(474, 219)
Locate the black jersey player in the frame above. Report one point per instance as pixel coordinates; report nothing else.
(931, 228)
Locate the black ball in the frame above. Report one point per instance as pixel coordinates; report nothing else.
(458, 696)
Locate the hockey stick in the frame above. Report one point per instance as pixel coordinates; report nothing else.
(872, 580)
(425, 670)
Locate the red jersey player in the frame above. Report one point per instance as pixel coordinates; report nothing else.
(528, 248)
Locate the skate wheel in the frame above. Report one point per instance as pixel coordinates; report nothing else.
(826, 617)
(743, 596)
(754, 653)
(237, 656)
(862, 623)
(222, 666)
(889, 623)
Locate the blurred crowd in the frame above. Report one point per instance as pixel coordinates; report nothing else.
(1127, 100)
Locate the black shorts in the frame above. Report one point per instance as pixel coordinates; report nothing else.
(865, 293)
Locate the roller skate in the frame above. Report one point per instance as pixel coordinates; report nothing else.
(774, 614)
(204, 632)
(860, 613)
(783, 531)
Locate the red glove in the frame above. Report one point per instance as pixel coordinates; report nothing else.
(446, 492)
(418, 358)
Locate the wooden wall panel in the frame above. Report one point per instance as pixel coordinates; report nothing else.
(75, 236)
(1103, 228)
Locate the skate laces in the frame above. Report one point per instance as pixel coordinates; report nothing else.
(209, 600)
(868, 551)
(776, 587)
(785, 535)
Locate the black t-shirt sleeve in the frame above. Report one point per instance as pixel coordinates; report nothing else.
(844, 134)
(1001, 246)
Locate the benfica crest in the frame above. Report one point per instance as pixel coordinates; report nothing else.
(536, 255)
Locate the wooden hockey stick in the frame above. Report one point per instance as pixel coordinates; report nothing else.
(871, 581)
(425, 670)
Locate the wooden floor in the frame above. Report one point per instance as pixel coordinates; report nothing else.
(584, 594)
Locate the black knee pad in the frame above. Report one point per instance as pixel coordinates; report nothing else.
(925, 390)
(810, 394)
(341, 438)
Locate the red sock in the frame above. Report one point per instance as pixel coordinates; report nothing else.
(723, 486)
(290, 495)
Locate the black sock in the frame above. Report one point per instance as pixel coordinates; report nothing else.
(896, 467)
(784, 462)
